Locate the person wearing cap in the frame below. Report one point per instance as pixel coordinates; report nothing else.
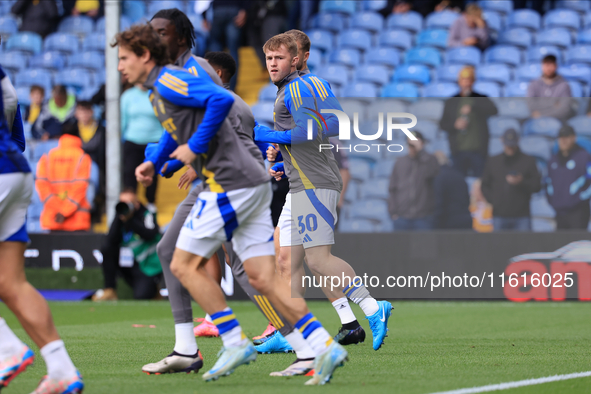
(568, 188)
(465, 120)
(469, 30)
(411, 201)
(508, 181)
(549, 95)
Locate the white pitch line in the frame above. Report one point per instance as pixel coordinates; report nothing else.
(519, 383)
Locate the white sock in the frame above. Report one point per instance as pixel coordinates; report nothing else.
(208, 318)
(344, 310)
(185, 342)
(299, 345)
(369, 306)
(233, 337)
(9, 343)
(319, 340)
(59, 364)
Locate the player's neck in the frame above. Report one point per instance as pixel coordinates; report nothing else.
(180, 53)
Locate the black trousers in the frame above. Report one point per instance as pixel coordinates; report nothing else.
(574, 219)
(133, 156)
(280, 190)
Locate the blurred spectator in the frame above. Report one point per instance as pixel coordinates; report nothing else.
(307, 9)
(266, 19)
(412, 199)
(58, 110)
(550, 85)
(480, 209)
(508, 181)
(62, 181)
(39, 17)
(37, 96)
(401, 7)
(452, 200)
(139, 127)
(91, 8)
(469, 30)
(465, 120)
(537, 5)
(130, 250)
(569, 185)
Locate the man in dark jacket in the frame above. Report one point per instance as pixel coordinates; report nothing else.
(412, 201)
(452, 200)
(38, 16)
(569, 185)
(508, 181)
(465, 120)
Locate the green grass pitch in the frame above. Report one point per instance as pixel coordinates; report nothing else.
(432, 346)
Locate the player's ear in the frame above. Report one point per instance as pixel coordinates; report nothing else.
(219, 72)
(306, 56)
(295, 60)
(146, 56)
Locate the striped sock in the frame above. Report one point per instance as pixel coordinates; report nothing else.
(314, 333)
(229, 328)
(359, 294)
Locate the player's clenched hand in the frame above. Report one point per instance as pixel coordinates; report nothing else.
(189, 176)
(272, 152)
(184, 154)
(276, 174)
(144, 173)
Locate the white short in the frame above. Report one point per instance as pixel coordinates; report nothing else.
(15, 197)
(242, 216)
(308, 218)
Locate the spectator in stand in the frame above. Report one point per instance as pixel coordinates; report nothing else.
(39, 17)
(535, 5)
(569, 185)
(91, 8)
(62, 181)
(37, 97)
(549, 95)
(130, 250)
(412, 198)
(401, 7)
(452, 200)
(508, 181)
(465, 120)
(481, 210)
(139, 127)
(266, 19)
(469, 30)
(58, 110)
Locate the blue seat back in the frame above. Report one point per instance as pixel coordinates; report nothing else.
(344, 7)
(559, 37)
(80, 25)
(62, 42)
(497, 125)
(562, 18)
(463, 55)
(519, 37)
(503, 54)
(13, 61)
(489, 89)
(400, 39)
(578, 54)
(385, 56)
(25, 42)
(354, 38)
(94, 42)
(412, 21)
(426, 56)
(8, 25)
(433, 38)
(449, 72)
(400, 90)
(499, 73)
(368, 20)
(441, 20)
(321, 39)
(346, 56)
(268, 93)
(52, 60)
(529, 19)
(335, 74)
(329, 21)
(360, 89)
(377, 74)
(535, 54)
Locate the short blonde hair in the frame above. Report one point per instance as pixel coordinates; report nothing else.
(467, 72)
(474, 10)
(275, 42)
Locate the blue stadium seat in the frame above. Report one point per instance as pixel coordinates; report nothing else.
(134, 10)
(528, 72)
(51, 60)
(441, 20)
(427, 56)
(23, 94)
(489, 89)
(581, 124)
(356, 226)
(503, 54)
(427, 111)
(576, 5)
(449, 72)
(315, 59)
(401, 90)
(576, 72)
(74, 77)
(124, 24)
(540, 208)
(359, 169)
(493, 20)
(8, 25)
(370, 209)
(516, 89)
(25, 42)
(13, 61)
(576, 89)
(441, 89)
(495, 146)
(264, 111)
(80, 25)
(360, 89)
(346, 56)
(502, 6)
(321, 39)
(558, 37)
(335, 74)
(463, 55)
(43, 147)
(535, 54)
(98, 78)
(412, 73)
(386, 56)
(519, 37)
(529, 19)
(584, 37)
(329, 21)
(497, 125)
(87, 93)
(34, 77)
(587, 20)
(562, 18)
(94, 42)
(535, 146)
(499, 73)
(373, 5)
(62, 42)
(383, 169)
(370, 21)
(376, 74)
(91, 60)
(157, 5)
(354, 38)
(432, 38)
(377, 188)
(542, 126)
(578, 54)
(344, 7)
(513, 107)
(411, 21)
(401, 39)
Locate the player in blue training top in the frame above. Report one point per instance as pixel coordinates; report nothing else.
(235, 205)
(22, 299)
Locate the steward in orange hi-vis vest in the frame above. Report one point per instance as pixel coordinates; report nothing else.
(63, 176)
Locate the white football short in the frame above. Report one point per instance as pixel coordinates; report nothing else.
(242, 216)
(15, 197)
(308, 218)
